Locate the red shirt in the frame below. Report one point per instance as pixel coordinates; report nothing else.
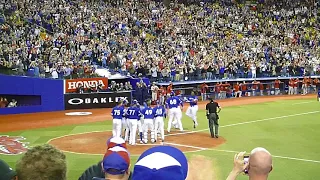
(243, 87)
(236, 87)
(203, 88)
(277, 83)
(217, 87)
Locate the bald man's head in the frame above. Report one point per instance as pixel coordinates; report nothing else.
(260, 162)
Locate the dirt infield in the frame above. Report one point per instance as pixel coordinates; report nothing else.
(91, 143)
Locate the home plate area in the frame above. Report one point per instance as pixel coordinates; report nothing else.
(95, 142)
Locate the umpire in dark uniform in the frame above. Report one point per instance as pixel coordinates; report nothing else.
(212, 110)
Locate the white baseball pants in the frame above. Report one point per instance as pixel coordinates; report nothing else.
(159, 124)
(290, 92)
(125, 129)
(192, 113)
(154, 96)
(148, 125)
(176, 115)
(116, 127)
(133, 131)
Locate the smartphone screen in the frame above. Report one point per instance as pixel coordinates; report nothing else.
(246, 160)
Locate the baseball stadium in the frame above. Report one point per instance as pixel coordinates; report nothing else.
(237, 83)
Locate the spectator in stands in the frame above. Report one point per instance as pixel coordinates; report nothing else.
(97, 170)
(116, 164)
(13, 103)
(127, 86)
(258, 167)
(3, 102)
(6, 172)
(42, 162)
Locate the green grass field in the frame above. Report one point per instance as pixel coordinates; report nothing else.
(288, 129)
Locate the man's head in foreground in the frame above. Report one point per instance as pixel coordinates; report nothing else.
(116, 163)
(42, 162)
(257, 167)
(260, 163)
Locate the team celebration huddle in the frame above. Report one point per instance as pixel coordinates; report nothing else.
(128, 119)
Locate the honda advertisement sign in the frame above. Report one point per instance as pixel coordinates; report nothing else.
(95, 100)
(71, 85)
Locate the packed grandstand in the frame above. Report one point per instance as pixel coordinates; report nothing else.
(178, 42)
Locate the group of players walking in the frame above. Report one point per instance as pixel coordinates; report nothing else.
(128, 119)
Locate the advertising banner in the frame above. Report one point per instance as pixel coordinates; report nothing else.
(95, 100)
(72, 84)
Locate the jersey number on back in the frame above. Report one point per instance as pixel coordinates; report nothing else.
(159, 111)
(117, 112)
(131, 112)
(148, 112)
(173, 101)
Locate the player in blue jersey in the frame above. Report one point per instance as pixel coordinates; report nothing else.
(140, 122)
(117, 114)
(319, 94)
(148, 123)
(193, 108)
(159, 112)
(125, 126)
(174, 106)
(133, 115)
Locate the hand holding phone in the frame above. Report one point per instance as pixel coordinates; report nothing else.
(246, 161)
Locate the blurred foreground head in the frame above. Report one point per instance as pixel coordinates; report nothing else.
(42, 162)
(260, 163)
(161, 163)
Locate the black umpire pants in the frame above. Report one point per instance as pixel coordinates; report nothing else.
(213, 124)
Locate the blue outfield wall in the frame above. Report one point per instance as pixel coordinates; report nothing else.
(50, 90)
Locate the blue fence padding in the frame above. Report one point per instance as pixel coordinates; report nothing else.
(50, 90)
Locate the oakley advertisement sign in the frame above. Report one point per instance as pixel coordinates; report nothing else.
(71, 85)
(95, 100)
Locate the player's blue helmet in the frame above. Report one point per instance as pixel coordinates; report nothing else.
(125, 102)
(135, 102)
(172, 93)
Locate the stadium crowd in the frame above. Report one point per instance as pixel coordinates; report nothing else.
(64, 38)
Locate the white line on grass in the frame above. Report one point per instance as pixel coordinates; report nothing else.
(230, 151)
(247, 122)
(306, 102)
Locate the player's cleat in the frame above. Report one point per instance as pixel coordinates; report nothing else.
(216, 136)
(141, 142)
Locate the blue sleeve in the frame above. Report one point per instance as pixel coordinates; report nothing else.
(112, 112)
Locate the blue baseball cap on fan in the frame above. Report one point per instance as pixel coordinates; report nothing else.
(116, 161)
(161, 163)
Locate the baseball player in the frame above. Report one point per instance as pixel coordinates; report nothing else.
(159, 112)
(193, 109)
(140, 122)
(319, 94)
(148, 118)
(174, 104)
(125, 127)
(117, 114)
(154, 92)
(133, 115)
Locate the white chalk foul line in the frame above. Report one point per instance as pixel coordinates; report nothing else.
(231, 151)
(247, 122)
(306, 102)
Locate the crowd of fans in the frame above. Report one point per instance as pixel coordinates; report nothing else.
(63, 38)
(45, 162)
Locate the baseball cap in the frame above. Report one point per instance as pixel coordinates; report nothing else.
(116, 161)
(161, 163)
(116, 141)
(6, 172)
